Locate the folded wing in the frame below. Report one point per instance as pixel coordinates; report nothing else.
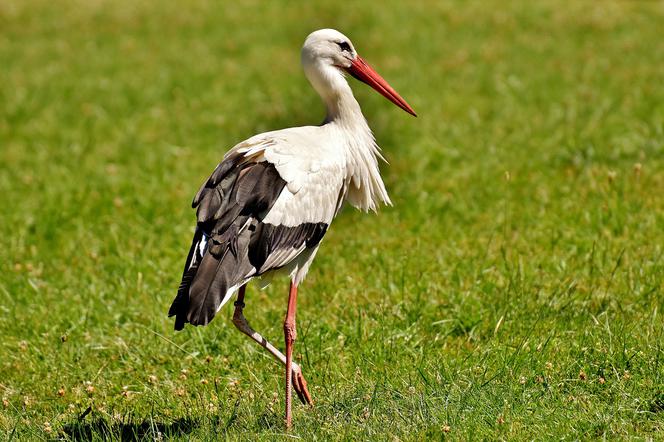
(249, 222)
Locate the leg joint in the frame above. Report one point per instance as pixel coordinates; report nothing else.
(289, 330)
(239, 304)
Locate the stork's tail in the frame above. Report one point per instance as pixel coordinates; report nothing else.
(180, 304)
(213, 272)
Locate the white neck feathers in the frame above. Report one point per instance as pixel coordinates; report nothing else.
(366, 189)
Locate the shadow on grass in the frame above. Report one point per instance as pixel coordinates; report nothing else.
(129, 430)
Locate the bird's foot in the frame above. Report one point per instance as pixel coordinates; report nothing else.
(300, 386)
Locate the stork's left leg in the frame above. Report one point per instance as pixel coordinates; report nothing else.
(290, 335)
(299, 383)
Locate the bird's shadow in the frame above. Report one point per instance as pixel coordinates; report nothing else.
(127, 430)
(95, 426)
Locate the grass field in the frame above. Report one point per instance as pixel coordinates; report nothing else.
(514, 291)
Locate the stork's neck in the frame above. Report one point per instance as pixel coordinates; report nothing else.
(331, 85)
(365, 186)
(343, 108)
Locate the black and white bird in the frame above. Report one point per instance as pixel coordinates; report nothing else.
(266, 207)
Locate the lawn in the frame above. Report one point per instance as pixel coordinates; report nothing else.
(513, 291)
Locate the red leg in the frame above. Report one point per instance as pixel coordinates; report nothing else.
(240, 295)
(290, 335)
(299, 383)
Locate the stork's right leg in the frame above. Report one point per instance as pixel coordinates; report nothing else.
(299, 384)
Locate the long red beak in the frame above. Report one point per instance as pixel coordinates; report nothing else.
(365, 73)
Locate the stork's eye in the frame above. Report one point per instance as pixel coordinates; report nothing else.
(344, 45)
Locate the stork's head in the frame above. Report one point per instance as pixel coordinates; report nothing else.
(327, 54)
(330, 47)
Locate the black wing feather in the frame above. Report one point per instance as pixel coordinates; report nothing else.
(236, 193)
(231, 241)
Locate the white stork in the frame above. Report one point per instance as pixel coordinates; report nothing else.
(268, 204)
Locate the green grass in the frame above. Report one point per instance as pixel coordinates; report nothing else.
(514, 291)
